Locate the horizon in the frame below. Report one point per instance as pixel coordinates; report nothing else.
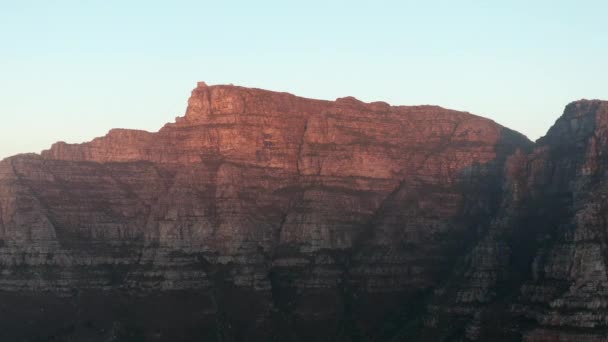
(73, 71)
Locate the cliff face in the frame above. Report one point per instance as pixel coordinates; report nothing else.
(265, 216)
(540, 273)
(566, 293)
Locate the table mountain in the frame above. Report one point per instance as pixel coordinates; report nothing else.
(263, 216)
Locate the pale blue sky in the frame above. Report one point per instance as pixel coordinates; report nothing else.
(71, 70)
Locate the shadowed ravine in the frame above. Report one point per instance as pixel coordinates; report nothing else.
(262, 216)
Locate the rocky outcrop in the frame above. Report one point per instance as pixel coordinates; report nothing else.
(540, 272)
(566, 293)
(266, 216)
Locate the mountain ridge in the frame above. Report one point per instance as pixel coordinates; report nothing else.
(267, 215)
(235, 94)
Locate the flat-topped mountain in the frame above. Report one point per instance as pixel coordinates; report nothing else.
(263, 216)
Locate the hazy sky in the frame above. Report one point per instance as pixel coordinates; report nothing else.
(71, 70)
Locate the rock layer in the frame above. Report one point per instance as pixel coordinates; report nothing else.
(266, 216)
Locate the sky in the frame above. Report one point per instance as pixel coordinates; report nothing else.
(72, 70)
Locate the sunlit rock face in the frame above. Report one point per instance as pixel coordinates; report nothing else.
(266, 216)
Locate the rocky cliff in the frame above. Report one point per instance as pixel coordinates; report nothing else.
(263, 216)
(540, 272)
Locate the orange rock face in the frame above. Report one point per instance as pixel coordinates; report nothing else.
(282, 216)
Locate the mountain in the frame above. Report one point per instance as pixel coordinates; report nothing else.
(263, 216)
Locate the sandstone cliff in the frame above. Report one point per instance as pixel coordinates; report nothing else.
(539, 274)
(266, 216)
